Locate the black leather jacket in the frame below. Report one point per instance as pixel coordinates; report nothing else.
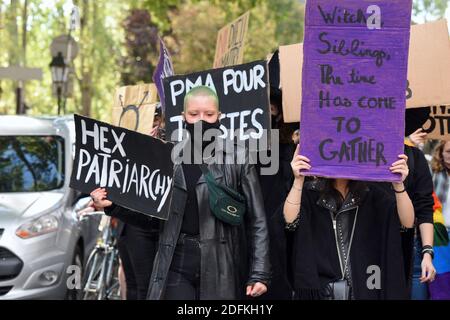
(231, 257)
(344, 220)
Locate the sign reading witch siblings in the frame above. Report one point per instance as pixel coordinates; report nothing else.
(135, 169)
(243, 93)
(354, 75)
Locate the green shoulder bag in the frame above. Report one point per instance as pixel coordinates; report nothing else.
(226, 204)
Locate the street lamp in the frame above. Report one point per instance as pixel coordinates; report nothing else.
(59, 76)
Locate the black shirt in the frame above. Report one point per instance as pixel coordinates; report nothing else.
(190, 224)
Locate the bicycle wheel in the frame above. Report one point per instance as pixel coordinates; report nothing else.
(93, 284)
(112, 277)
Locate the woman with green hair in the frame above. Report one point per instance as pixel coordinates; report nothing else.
(200, 255)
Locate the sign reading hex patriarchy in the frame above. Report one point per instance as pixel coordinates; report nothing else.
(135, 169)
(355, 59)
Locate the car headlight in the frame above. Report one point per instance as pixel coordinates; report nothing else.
(37, 227)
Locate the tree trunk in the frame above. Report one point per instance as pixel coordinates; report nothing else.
(14, 54)
(21, 92)
(86, 93)
(86, 72)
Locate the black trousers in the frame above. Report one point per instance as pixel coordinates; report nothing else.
(183, 281)
(137, 250)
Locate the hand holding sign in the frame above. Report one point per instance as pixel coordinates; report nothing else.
(99, 196)
(299, 163)
(400, 167)
(418, 137)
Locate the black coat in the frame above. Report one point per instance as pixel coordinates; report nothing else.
(275, 189)
(419, 185)
(376, 242)
(231, 257)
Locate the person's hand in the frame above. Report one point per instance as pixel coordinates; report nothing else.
(99, 198)
(428, 270)
(296, 136)
(89, 209)
(401, 167)
(418, 137)
(298, 163)
(154, 132)
(257, 289)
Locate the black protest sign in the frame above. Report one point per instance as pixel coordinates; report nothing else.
(243, 93)
(135, 169)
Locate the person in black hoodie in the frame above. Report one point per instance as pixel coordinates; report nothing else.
(281, 241)
(419, 267)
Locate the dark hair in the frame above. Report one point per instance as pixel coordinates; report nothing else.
(276, 98)
(354, 186)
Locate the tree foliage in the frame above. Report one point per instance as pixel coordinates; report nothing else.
(429, 10)
(118, 43)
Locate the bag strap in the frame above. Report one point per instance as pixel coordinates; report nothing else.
(205, 171)
(208, 175)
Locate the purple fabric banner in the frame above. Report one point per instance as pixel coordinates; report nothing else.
(163, 70)
(354, 76)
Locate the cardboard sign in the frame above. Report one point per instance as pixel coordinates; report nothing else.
(231, 43)
(438, 124)
(428, 70)
(429, 65)
(163, 70)
(291, 61)
(354, 74)
(135, 169)
(134, 107)
(243, 93)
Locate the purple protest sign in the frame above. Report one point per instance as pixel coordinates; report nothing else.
(354, 75)
(163, 69)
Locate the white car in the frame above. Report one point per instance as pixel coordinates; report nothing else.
(43, 243)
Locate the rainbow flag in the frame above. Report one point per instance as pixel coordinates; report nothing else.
(440, 287)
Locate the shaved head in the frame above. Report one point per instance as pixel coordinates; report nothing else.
(201, 91)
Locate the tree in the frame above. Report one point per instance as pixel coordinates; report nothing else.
(141, 43)
(108, 55)
(429, 10)
(194, 26)
(192, 41)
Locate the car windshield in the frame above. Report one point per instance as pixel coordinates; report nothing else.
(31, 163)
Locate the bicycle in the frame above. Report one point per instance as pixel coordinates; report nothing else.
(100, 281)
